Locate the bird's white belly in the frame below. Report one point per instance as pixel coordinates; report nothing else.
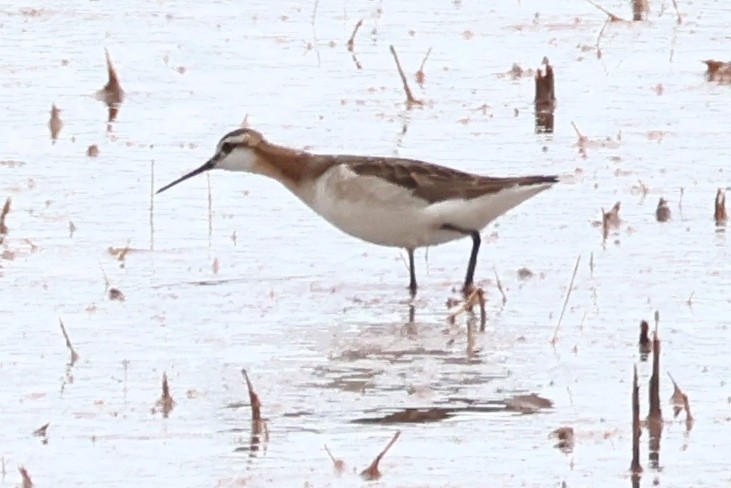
(405, 227)
(375, 210)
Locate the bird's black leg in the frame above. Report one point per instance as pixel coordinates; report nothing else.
(412, 273)
(469, 278)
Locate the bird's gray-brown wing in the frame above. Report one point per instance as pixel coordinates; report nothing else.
(435, 183)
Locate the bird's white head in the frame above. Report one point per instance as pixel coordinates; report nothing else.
(236, 151)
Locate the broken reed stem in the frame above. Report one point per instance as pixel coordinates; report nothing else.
(566, 300)
(332, 458)
(688, 416)
(372, 472)
(655, 414)
(545, 96)
(500, 285)
(42, 431)
(639, 9)
(677, 12)
(579, 135)
(410, 100)
(69, 346)
(420, 76)
(423, 61)
(351, 41)
(166, 401)
(612, 17)
(107, 284)
(3, 214)
(635, 467)
(719, 208)
(338, 464)
(599, 38)
(253, 400)
(25, 477)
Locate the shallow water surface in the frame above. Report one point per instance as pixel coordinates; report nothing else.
(230, 271)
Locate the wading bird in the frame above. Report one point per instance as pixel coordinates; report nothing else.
(387, 201)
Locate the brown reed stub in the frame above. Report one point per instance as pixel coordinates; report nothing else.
(680, 402)
(610, 220)
(516, 71)
(565, 438)
(26, 482)
(166, 402)
(372, 472)
(72, 352)
(654, 417)
(545, 97)
(719, 209)
(253, 400)
(635, 466)
(3, 214)
(92, 151)
(640, 8)
(420, 76)
(662, 212)
(644, 343)
(655, 414)
(119, 252)
(42, 430)
(338, 464)
(55, 123)
(112, 94)
(410, 100)
(718, 71)
(116, 295)
(526, 274)
(677, 399)
(351, 41)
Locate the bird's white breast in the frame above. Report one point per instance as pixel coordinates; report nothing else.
(371, 208)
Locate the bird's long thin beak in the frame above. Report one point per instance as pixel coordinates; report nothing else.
(210, 164)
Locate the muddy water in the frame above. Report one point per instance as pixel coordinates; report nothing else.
(251, 279)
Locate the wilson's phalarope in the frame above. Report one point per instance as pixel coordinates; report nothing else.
(387, 201)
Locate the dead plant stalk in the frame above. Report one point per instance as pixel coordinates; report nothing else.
(612, 17)
(372, 472)
(69, 346)
(255, 404)
(351, 41)
(635, 467)
(410, 100)
(554, 339)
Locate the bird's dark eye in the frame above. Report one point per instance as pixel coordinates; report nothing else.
(226, 147)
